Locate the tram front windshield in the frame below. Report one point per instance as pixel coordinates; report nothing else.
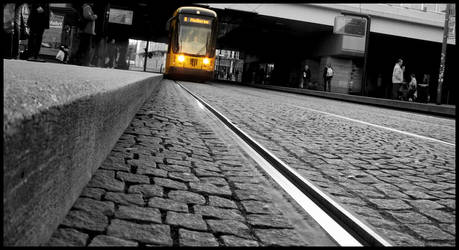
(194, 39)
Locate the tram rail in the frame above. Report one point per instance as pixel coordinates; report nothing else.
(342, 226)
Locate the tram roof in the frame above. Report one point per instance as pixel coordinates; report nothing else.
(195, 10)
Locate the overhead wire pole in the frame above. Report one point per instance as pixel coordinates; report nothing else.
(443, 54)
(146, 55)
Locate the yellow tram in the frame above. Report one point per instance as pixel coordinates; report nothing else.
(192, 41)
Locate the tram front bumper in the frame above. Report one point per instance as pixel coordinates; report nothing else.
(192, 74)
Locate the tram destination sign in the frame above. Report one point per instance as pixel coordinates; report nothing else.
(350, 25)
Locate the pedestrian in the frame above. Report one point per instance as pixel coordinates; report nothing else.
(22, 31)
(397, 78)
(423, 89)
(328, 75)
(8, 32)
(38, 21)
(306, 76)
(110, 53)
(412, 88)
(87, 34)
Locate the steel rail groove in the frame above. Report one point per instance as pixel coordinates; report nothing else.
(361, 232)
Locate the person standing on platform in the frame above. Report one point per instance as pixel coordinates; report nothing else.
(87, 34)
(110, 53)
(306, 77)
(328, 75)
(38, 21)
(397, 78)
(412, 87)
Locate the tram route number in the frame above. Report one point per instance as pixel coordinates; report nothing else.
(196, 20)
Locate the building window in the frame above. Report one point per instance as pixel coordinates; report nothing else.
(430, 7)
(441, 8)
(416, 6)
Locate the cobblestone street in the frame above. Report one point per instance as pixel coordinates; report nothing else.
(403, 186)
(172, 180)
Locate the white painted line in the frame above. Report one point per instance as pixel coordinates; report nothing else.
(377, 126)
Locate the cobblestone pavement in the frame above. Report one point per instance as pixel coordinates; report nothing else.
(173, 180)
(402, 186)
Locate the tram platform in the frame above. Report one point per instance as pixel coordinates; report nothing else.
(427, 108)
(59, 123)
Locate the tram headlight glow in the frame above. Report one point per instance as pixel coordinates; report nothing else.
(206, 61)
(181, 58)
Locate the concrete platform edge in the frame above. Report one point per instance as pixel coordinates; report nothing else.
(50, 156)
(439, 110)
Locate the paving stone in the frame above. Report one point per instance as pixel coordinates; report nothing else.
(425, 204)
(175, 168)
(268, 220)
(95, 193)
(186, 197)
(372, 194)
(146, 233)
(250, 186)
(220, 213)
(399, 238)
(138, 213)
(430, 232)
(449, 228)
(147, 190)
(230, 227)
(110, 241)
(134, 178)
(450, 203)
(439, 215)
(410, 217)
(196, 239)
(216, 201)
(117, 165)
(259, 207)
(279, 237)
(168, 204)
(418, 194)
(209, 188)
(91, 205)
(151, 171)
(169, 183)
(178, 162)
(106, 179)
(390, 204)
(208, 167)
(139, 163)
(239, 173)
(183, 176)
(191, 221)
(93, 221)
(125, 199)
(252, 195)
(236, 179)
(67, 237)
(363, 210)
(233, 241)
(207, 173)
(217, 181)
(234, 168)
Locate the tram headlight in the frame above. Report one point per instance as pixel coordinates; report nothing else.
(181, 58)
(206, 61)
